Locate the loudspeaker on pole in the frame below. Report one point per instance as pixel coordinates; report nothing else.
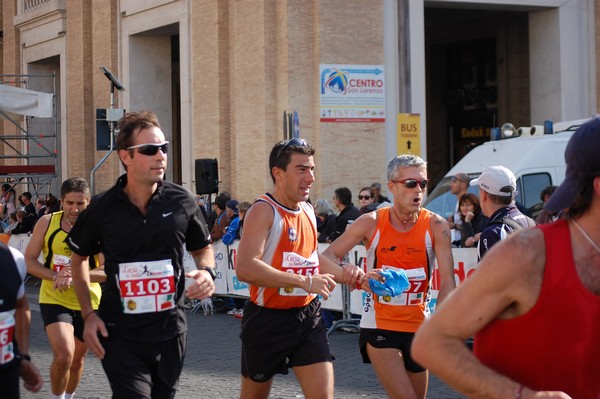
(207, 176)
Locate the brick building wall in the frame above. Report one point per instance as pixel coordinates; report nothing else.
(268, 62)
(248, 62)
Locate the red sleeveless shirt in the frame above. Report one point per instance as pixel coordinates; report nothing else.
(556, 345)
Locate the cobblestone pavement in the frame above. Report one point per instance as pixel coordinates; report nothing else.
(213, 361)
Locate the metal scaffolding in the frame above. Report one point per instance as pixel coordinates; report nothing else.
(30, 152)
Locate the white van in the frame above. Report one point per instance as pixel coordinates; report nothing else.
(536, 159)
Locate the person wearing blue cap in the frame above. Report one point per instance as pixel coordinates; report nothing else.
(231, 233)
(534, 303)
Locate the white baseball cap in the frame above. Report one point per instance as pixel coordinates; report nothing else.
(497, 180)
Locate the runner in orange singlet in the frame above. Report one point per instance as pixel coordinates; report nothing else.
(403, 236)
(282, 326)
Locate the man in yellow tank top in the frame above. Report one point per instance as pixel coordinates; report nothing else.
(408, 237)
(59, 306)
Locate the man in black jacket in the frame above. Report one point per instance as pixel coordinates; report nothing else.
(25, 223)
(28, 206)
(348, 212)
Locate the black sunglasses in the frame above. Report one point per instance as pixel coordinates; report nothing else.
(364, 197)
(412, 183)
(150, 149)
(287, 143)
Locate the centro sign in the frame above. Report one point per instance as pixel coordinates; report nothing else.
(365, 86)
(352, 93)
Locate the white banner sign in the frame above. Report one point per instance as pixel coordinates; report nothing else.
(352, 93)
(227, 284)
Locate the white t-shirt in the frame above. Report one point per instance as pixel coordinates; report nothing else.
(457, 220)
(21, 267)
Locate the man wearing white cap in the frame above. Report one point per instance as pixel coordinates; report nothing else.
(534, 302)
(497, 190)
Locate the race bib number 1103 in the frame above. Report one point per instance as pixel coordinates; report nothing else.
(147, 287)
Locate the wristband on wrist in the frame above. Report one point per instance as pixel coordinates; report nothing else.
(88, 315)
(309, 283)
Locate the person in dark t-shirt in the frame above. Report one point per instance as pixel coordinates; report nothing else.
(140, 225)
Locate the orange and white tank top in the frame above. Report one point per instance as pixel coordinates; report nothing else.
(412, 251)
(291, 247)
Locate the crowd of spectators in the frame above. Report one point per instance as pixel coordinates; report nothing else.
(20, 218)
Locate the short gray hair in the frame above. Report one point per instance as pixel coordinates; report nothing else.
(323, 207)
(403, 161)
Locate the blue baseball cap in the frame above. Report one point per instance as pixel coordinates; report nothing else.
(232, 204)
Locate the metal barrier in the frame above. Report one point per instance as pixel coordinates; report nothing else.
(347, 321)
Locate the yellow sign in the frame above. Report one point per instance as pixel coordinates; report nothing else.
(409, 134)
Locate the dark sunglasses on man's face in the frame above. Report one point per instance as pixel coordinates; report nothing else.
(150, 149)
(364, 197)
(287, 143)
(412, 183)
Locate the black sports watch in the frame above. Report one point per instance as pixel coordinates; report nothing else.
(210, 269)
(21, 356)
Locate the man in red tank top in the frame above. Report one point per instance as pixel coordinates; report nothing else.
(408, 238)
(534, 303)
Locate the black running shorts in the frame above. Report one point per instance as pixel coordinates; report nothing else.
(389, 339)
(56, 313)
(274, 340)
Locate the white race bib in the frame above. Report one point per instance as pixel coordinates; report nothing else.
(296, 264)
(414, 295)
(60, 261)
(147, 287)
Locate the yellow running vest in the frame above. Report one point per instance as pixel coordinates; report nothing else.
(57, 254)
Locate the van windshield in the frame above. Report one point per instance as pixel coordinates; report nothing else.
(442, 201)
(529, 187)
